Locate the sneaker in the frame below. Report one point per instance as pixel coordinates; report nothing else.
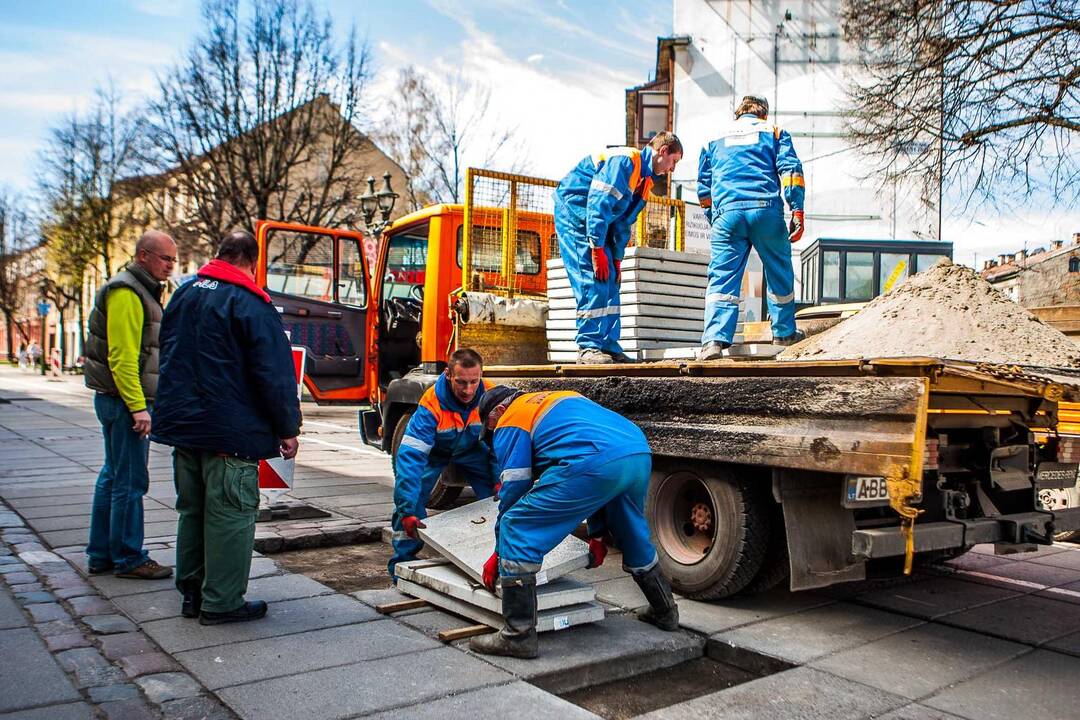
(251, 610)
(791, 339)
(149, 570)
(620, 357)
(713, 350)
(592, 356)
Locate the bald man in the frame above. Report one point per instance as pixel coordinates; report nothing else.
(122, 367)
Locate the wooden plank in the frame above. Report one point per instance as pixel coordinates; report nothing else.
(400, 606)
(449, 636)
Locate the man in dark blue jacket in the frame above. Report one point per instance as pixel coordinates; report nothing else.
(226, 399)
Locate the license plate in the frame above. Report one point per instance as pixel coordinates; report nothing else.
(864, 490)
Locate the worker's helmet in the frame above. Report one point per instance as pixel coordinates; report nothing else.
(493, 397)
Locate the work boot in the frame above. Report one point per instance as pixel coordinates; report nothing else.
(592, 356)
(251, 610)
(518, 637)
(620, 357)
(192, 602)
(713, 350)
(149, 570)
(791, 339)
(662, 611)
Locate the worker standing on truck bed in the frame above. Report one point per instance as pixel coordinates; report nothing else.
(596, 204)
(740, 176)
(445, 428)
(563, 459)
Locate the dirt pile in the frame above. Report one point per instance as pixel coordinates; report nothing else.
(946, 312)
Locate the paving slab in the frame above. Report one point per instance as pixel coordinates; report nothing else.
(922, 660)
(1041, 684)
(936, 596)
(1028, 619)
(365, 687)
(168, 686)
(285, 618)
(798, 693)
(465, 536)
(385, 596)
(918, 711)
(112, 587)
(11, 616)
(432, 622)
(70, 711)
(1068, 558)
(29, 675)
(615, 648)
(1032, 572)
(514, 700)
(440, 575)
(246, 662)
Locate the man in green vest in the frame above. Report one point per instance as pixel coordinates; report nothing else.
(122, 366)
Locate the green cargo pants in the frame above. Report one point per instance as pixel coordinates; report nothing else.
(217, 499)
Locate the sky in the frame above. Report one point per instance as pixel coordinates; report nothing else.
(557, 69)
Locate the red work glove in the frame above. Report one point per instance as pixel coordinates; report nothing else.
(495, 491)
(410, 523)
(491, 571)
(618, 271)
(600, 264)
(796, 226)
(597, 552)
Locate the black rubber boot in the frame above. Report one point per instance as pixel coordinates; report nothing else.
(251, 610)
(662, 611)
(518, 637)
(192, 602)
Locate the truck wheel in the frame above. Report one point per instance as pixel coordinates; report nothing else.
(444, 493)
(711, 529)
(775, 567)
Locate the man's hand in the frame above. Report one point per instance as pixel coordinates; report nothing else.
(618, 271)
(597, 552)
(142, 423)
(600, 264)
(288, 447)
(411, 523)
(796, 226)
(495, 491)
(491, 571)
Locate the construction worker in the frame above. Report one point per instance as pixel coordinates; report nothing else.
(444, 429)
(563, 459)
(740, 177)
(596, 204)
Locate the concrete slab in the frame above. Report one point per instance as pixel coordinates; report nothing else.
(10, 614)
(443, 577)
(1042, 684)
(550, 620)
(71, 711)
(709, 618)
(917, 711)
(798, 693)
(1069, 644)
(246, 662)
(1068, 558)
(112, 587)
(464, 536)
(29, 675)
(622, 593)
(797, 639)
(285, 618)
(1032, 572)
(363, 688)
(616, 648)
(431, 622)
(511, 700)
(922, 660)
(934, 597)
(1027, 619)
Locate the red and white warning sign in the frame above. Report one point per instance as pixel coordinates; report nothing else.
(276, 474)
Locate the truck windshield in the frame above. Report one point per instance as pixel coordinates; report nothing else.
(406, 262)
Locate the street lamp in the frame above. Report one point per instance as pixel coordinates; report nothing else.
(383, 201)
(43, 308)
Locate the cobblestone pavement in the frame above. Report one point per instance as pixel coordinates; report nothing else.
(986, 636)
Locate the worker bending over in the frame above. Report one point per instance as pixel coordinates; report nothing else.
(444, 429)
(740, 176)
(596, 204)
(563, 459)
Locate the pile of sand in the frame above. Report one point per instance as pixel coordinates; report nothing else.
(946, 312)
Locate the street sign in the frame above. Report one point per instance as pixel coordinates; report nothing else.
(43, 309)
(276, 474)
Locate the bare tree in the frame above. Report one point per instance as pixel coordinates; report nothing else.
(15, 243)
(983, 94)
(435, 131)
(260, 120)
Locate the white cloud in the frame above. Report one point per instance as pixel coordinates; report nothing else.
(159, 8)
(984, 235)
(535, 58)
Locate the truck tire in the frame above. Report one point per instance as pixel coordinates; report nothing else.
(711, 529)
(444, 493)
(775, 567)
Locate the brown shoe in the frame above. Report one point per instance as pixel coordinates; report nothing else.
(149, 570)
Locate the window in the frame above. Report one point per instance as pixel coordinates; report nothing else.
(406, 262)
(892, 269)
(830, 280)
(300, 264)
(652, 113)
(925, 262)
(859, 276)
(350, 274)
(1074, 264)
(487, 250)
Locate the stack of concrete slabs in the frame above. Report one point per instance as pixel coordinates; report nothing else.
(560, 604)
(466, 537)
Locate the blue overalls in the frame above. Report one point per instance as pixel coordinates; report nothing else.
(740, 176)
(596, 205)
(563, 459)
(441, 431)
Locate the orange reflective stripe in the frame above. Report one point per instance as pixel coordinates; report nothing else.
(635, 174)
(792, 179)
(444, 419)
(528, 409)
(430, 401)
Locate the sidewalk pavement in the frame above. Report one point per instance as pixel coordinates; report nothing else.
(983, 637)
